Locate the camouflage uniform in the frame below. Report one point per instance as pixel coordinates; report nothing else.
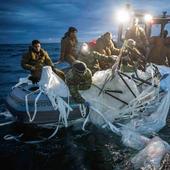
(138, 34)
(68, 50)
(93, 60)
(133, 60)
(35, 61)
(78, 81)
(105, 46)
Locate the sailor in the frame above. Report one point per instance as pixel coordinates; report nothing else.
(93, 59)
(68, 46)
(137, 33)
(79, 77)
(133, 59)
(35, 59)
(105, 45)
(159, 53)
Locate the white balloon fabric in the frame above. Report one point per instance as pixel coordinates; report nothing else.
(51, 83)
(144, 111)
(152, 154)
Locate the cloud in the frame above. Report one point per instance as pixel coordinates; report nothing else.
(22, 21)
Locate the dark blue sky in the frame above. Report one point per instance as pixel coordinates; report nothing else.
(47, 20)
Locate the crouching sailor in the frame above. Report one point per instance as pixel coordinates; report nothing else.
(35, 59)
(79, 77)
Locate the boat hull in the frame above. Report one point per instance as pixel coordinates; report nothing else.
(16, 104)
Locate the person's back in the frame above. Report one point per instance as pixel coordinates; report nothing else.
(68, 46)
(105, 45)
(78, 78)
(138, 34)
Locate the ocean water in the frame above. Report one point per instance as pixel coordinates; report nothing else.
(72, 148)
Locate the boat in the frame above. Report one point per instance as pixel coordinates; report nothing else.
(23, 104)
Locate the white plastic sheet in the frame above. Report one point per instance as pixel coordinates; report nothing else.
(147, 112)
(152, 154)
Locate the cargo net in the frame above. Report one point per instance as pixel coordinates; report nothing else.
(133, 105)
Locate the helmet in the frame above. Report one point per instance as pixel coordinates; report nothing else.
(79, 67)
(131, 43)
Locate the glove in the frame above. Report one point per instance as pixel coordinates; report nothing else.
(86, 104)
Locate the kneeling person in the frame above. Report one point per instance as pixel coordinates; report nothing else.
(78, 78)
(93, 59)
(35, 59)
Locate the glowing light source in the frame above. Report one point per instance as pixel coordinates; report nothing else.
(123, 16)
(148, 18)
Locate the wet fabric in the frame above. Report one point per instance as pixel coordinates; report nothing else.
(151, 155)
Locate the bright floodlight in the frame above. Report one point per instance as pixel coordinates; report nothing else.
(148, 18)
(123, 16)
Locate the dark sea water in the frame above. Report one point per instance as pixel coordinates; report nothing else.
(72, 148)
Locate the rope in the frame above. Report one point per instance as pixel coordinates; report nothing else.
(126, 84)
(35, 105)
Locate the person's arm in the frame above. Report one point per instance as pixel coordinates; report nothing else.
(25, 62)
(48, 60)
(73, 86)
(75, 94)
(114, 50)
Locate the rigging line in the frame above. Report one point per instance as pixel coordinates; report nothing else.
(111, 95)
(127, 85)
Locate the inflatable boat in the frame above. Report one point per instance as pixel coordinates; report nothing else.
(30, 107)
